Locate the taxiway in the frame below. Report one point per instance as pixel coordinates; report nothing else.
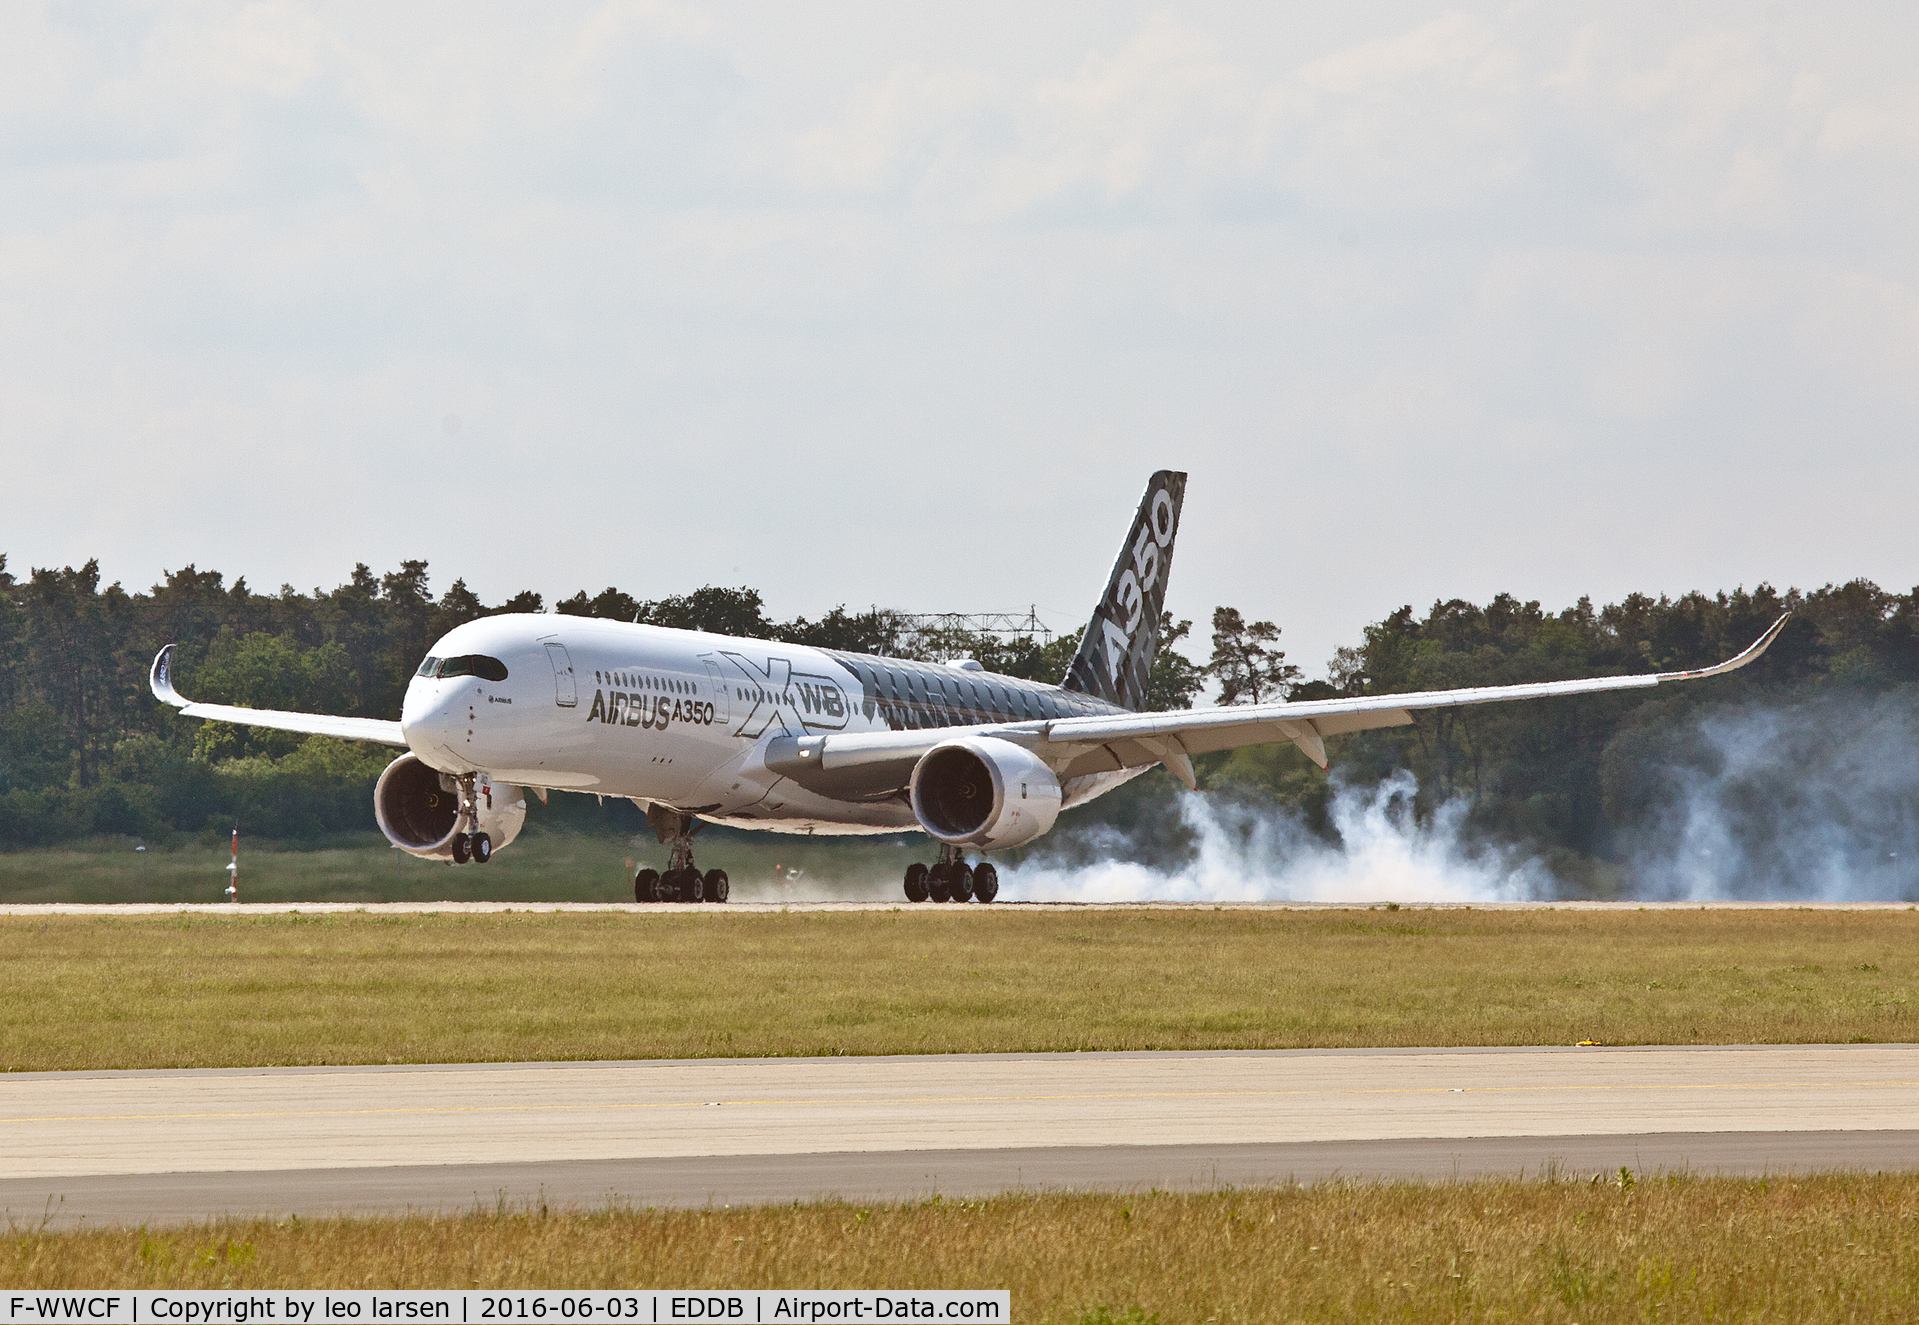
(127, 1146)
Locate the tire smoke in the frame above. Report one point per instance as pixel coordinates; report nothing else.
(1815, 800)
(1811, 801)
(1248, 853)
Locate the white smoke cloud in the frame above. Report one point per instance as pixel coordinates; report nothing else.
(1815, 800)
(1812, 801)
(1250, 853)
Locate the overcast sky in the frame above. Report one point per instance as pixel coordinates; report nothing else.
(901, 304)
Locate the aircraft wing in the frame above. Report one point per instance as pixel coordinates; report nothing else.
(1165, 737)
(1076, 747)
(313, 724)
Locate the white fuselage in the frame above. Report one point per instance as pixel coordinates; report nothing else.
(683, 718)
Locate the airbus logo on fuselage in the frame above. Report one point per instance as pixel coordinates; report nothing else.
(631, 709)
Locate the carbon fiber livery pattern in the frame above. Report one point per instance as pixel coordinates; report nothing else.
(1115, 658)
(916, 696)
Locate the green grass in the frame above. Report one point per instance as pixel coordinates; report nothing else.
(202, 991)
(542, 866)
(1826, 1248)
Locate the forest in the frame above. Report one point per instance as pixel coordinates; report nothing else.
(85, 751)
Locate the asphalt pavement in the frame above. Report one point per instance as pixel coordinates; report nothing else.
(123, 1147)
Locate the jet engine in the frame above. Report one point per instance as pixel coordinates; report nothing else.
(418, 808)
(984, 792)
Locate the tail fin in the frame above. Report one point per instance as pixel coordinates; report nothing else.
(1115, 657)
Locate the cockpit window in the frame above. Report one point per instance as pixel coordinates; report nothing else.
(472, 664)
(426, 668)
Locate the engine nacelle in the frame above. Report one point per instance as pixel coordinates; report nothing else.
(418, 808)
(984, 792)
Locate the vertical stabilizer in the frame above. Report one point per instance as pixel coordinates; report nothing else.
(1115, 657)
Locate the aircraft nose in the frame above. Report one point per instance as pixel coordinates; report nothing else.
(428, 717)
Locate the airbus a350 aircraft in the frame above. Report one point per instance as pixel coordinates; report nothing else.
(696, 727)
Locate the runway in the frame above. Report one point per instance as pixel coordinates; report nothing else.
(761, 907)
(128, 1146)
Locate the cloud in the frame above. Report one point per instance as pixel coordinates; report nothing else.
(1400, 290)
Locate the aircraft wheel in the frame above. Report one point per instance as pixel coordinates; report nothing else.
(937, 886)
(646, 886)
(916, 882)
(960, 882)
(692, 886)
(665, 887)
(985, 882)
(482, 848)
(717, 887)
(462, 849)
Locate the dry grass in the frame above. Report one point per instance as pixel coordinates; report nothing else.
(160, 991)
(1835, 1247)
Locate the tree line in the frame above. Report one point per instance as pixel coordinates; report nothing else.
(86, 751)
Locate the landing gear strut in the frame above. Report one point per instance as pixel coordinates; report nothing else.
(950, 879)
(476, 847)
(682, 881)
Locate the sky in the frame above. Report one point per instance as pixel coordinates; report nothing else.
(878, 303)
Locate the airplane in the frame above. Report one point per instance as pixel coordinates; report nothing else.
(697, 728)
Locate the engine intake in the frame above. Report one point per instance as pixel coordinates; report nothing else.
(984, 792)
(418, 808)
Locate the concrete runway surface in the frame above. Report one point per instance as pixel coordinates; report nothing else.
(132, 1146)
(105, 909)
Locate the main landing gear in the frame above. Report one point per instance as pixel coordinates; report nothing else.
(682, 881)
(476, 847)
(950, 880)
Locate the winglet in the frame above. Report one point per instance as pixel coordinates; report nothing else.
(161, 679)
(1757, 647)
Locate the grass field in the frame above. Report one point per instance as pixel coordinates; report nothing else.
(199, 991)
(1826, 1248)
(543, 866)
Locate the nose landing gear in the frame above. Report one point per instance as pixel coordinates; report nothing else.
(682, 881)
(951, 880)
(476, 847)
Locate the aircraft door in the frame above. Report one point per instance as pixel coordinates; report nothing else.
(566, 691)
(721, 691)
